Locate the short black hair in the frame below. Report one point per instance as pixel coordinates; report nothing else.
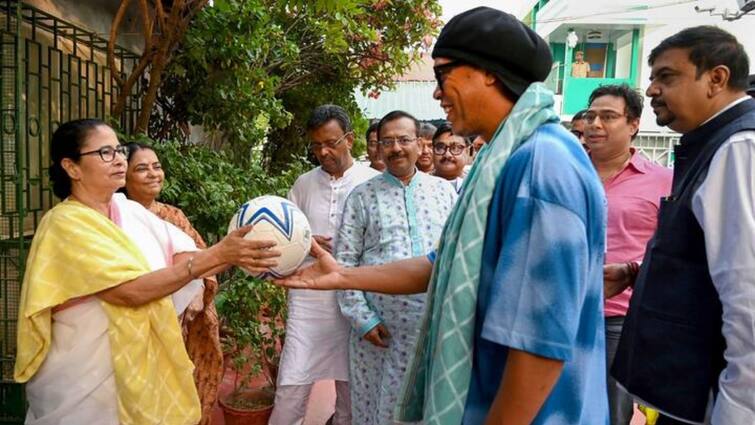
(395, 115)
(444, 128)
(579, 115)
(371, 129)
(709, 47)
(66, 142)
(632, 100)
(426, 130)
(325, 113)
(751, 88)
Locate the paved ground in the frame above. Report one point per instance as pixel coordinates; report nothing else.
(322, 404)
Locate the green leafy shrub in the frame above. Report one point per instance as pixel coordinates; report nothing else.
(209, 186)
(252, 70)
(253, 315)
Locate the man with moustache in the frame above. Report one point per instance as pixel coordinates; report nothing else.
(373, 149)
(451, 154)
(634, 187)
(513, 331)
(397, 215)
(316, 333)
(687, 348)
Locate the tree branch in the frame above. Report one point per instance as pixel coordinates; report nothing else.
(111, 41)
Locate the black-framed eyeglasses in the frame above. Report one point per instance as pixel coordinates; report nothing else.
(330, 145)
(402, 141)
(107, 153)
(442, 71)
(456, 149)
(605, 116)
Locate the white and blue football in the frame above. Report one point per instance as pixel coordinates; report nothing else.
(280, 220)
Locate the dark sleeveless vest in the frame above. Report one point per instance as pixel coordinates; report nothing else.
(671, 349)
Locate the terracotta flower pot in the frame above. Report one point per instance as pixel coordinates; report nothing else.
(248, 407)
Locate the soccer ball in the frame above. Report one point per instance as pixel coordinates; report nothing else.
(280, 220)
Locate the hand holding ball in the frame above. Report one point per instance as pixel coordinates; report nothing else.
(276, 219)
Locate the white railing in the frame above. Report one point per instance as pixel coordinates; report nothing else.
(658, 147)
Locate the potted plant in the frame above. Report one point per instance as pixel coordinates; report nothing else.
(252, 314)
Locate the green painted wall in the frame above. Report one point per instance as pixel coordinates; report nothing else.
(636, 46)
(577, 91)
(611, 60)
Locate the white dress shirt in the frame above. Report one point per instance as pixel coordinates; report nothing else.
(724, 205)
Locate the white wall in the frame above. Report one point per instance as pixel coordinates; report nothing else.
(623, 55)
(658, 22)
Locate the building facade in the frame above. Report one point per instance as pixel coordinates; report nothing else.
(616, 38)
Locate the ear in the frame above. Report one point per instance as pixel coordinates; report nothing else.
(634, 125)
(490, 79)
(71, 168)
(718, 79)
(350, 140)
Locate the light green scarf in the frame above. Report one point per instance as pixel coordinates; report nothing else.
(436, 385)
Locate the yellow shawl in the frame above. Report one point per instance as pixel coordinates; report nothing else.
(76, 252)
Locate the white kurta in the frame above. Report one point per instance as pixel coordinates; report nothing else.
(75, 383)
(317, 335)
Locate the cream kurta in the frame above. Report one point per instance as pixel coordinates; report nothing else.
(317, 335)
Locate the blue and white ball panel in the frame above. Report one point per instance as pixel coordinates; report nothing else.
(280, 220)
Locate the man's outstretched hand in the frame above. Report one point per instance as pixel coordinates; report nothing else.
(324, 273)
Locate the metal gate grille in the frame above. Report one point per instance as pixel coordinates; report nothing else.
(50, 72)
(658, 147)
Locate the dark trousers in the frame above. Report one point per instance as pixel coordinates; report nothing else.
(619, 402)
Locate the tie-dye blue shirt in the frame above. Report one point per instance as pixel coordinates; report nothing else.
(541, 281)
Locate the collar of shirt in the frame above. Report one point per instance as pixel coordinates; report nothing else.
(638, 163)
(346, 173)
(726, 108)
(390, 178)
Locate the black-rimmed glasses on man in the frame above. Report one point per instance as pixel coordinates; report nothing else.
(455, 149)
(442, 71)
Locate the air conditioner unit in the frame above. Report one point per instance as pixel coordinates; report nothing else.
(746, 5)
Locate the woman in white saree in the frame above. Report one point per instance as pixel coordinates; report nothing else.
(98, 339)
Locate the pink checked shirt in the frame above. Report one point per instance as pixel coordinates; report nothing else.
(634, 197)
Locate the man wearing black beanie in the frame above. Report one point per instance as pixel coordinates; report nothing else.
(513, 331)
